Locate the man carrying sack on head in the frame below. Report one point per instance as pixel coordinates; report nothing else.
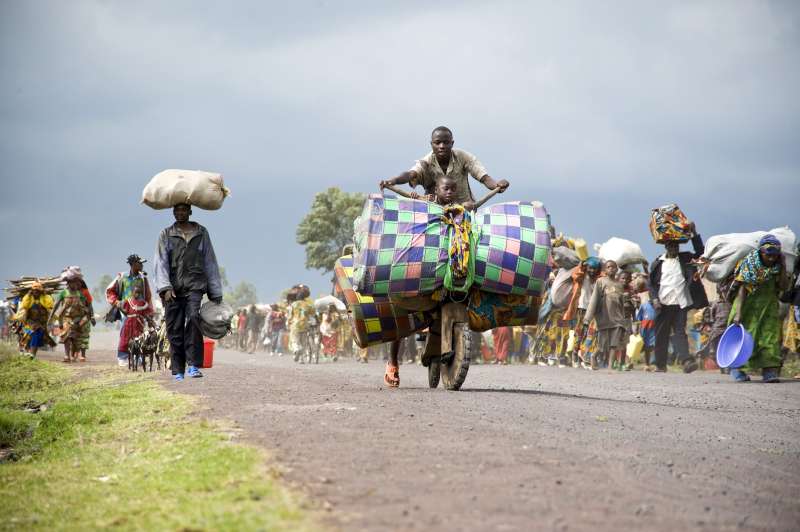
(185, 269)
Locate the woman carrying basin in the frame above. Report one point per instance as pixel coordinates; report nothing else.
(759, 279)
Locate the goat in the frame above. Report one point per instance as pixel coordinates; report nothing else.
(143, 348)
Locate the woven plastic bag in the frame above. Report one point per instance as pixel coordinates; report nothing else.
(400, 247)
(512, 253)
(205, 190)
(374, 319)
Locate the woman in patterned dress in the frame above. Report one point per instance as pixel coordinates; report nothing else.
(32, 314)
(73, 310)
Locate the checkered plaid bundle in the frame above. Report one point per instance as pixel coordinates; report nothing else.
(513, 250)
(400, 247)
(374, 319)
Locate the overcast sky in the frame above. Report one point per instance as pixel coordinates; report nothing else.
(602, 110)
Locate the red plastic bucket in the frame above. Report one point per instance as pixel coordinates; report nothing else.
(208, 352)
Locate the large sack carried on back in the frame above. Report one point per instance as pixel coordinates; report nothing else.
(205, 190)
(561, 290)
(621, 251)
(723, 252)
(564, 257)
(215, 319)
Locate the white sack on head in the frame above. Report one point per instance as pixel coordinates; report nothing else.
(322, 303)
(71, 273)
(621, 251)
(205, 190)
(723, 252)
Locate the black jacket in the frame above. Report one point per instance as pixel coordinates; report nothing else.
(696, 289)
(187, 266)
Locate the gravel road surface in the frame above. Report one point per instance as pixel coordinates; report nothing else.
(520, 447)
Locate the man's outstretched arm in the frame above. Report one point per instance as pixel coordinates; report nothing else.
(491, 184)
(402, 179)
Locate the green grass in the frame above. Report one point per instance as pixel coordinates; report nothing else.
(126, 455)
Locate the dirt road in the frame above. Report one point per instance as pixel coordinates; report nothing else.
(521, 447)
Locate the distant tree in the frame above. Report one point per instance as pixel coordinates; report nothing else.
(241, 295)
(99, 290)
(328, 227)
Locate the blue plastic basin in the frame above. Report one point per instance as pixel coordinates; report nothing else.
(735, 347)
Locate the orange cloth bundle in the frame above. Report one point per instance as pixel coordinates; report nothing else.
(668, 223)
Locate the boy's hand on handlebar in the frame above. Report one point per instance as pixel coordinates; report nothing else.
(502, 185)
(387, 183)
(418, 196)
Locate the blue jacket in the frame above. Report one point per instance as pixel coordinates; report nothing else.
(186, 266)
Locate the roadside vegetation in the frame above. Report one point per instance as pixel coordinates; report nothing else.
(120, 451)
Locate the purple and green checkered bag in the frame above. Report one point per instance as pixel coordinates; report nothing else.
(513, 250)
(401, 247)
(374, 319)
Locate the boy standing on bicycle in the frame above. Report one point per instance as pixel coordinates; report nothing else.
(444, 160)
(445, 193)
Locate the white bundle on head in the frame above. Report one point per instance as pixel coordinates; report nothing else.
(71, 273)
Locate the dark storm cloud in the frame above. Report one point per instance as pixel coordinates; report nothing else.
(600, 110)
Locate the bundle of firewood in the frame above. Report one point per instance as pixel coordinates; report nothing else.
(20, 287)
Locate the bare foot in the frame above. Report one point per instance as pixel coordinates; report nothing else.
(392, 376)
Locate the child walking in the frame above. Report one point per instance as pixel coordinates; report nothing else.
(138, 312)
(607, 309)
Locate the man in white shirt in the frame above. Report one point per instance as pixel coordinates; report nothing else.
(673, 291)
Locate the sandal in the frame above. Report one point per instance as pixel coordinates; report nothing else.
(67, 360)
(82, 359)
(392, 376)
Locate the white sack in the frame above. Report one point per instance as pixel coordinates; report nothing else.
(322, 303)
(561, 290)
(723, 252)
(205, 190)
(621, 251)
